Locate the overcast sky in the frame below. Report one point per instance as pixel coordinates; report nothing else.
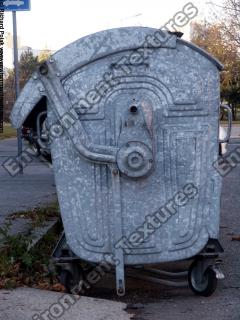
(55, 23)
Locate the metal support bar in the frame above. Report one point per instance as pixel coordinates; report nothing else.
(166, 273)
(76, 132)
(39, 131)
(118, 231)
(17, 87)
(178, 284)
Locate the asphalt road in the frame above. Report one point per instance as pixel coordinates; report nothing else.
(34, 188)
(235, 132)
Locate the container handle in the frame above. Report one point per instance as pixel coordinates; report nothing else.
(229, 128)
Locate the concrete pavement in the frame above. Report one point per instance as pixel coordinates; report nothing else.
(25, 303)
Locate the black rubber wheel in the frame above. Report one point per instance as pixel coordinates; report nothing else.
(205, 286)
(66, 279)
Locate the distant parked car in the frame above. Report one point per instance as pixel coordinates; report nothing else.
(29, 129)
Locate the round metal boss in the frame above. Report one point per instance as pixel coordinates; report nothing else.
(135, 159)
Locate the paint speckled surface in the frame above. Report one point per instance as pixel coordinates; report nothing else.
(177, 92)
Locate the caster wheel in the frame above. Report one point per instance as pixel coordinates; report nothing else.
(66, 279)
(203, 285)
(36, 149)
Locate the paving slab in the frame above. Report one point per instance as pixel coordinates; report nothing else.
(26, 304)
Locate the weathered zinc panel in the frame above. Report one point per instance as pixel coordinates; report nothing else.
(177, 89)
(154, 129)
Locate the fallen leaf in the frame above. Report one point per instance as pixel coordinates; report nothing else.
(236, 238)
(58, 287)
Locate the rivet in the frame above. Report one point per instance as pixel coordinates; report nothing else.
(115, 172)
(43, 69)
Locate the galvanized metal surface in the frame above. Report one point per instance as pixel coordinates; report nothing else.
(115, 166)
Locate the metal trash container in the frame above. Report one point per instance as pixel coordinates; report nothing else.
(132, 122)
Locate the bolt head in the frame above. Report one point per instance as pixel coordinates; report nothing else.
(115, 172)
(43, 69)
